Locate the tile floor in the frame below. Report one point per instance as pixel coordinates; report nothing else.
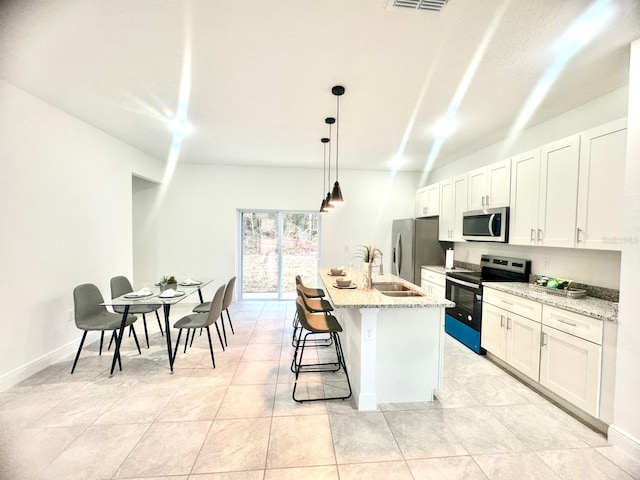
(239, 422)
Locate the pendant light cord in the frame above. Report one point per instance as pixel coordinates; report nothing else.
(329, 176)
(337, 134)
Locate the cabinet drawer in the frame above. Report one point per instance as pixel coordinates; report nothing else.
(512, 303)
(433, 277)
(573, 323)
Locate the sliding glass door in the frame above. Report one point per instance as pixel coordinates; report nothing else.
(275, 247)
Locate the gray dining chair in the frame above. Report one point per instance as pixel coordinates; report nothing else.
(202, 320)
(226, 303)
(90, 315)
(121, 286)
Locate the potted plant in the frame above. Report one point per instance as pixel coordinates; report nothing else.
(167, 282)
(368, 254)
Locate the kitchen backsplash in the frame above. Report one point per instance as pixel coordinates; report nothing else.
(595, 291)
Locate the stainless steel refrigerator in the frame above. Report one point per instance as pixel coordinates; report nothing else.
(414, 243)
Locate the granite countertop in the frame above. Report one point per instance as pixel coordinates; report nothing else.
(589, 306)
(362, 298)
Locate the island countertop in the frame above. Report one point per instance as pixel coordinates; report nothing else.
(362, 298)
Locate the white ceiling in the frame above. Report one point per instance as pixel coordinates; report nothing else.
(261, 72)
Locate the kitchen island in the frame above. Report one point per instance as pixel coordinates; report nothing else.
(394, 345)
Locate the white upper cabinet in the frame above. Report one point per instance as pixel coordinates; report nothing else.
(600, 186)
(544, 192)
(453, 201)
(489, 187)
(558, 193)
(428, 201)
(523, 215)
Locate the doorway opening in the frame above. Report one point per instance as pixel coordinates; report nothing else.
(275, 246)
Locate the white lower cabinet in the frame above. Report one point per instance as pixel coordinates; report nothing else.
(570, 365)
(512, 338)
(433, 282)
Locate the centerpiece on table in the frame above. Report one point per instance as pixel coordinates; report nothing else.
(368, 254)
(167, 282)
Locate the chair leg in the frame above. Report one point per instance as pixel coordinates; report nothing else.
(175, 350)
(135, 337)
(229, 318)
(186, 340)
(101, 340)
(193, 335)
(224, 332)
(159, 323)
(146, 334)
(84, 335)
(210, 346)
(113, 337)
(219, 336)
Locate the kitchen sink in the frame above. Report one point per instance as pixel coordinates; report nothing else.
(391, 287)
(405, 293)
(396, 289)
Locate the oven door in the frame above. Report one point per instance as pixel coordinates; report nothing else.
(468, 299)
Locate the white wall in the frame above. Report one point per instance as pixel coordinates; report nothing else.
(625, 431)
(65, 196)
(196, 221)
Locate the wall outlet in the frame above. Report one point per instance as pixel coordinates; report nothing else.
(546, 262)
(70, 316)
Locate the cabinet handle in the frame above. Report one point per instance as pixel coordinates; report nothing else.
(533, 235)
(539, 234)
(504, 301)
(501, 321)
(483, 200)
(508, 323)
(487, 197)
(578, 230)
(424, 209)
(567, 323)
(542, 342)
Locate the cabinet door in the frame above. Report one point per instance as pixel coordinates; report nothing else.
(523, 214)
(433, 200)
(476, 188)
(459, 205)
(493, 335)
(601, 186)
(445, 222)
(523, 345)
(570, 367)
(498, 184)
(421, 202)
(558, 193)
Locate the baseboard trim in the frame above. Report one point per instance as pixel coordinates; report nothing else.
(23, 372)
(621, 439)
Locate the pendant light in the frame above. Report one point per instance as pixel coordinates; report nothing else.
(323, 207)
(336, 194)
(328, 201)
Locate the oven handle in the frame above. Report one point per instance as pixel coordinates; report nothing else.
(462, 282)
(491, 219)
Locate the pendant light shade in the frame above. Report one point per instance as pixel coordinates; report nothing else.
(336, 194)
(323, 206)
(328, 201)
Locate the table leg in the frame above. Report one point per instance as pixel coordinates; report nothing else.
(200, 295)
(167, 330)
(116, 352)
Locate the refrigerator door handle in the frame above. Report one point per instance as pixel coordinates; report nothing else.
(398, 254)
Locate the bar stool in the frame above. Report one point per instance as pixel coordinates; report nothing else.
(312, 305)
(313, 324)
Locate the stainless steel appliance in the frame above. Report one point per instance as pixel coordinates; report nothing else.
(415, 243)
(490, 225)
(464, 321)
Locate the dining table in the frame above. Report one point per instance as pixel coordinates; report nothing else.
(154, 297)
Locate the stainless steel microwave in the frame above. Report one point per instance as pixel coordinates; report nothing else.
(490, 225)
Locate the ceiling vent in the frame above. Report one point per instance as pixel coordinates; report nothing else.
(435, 5)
